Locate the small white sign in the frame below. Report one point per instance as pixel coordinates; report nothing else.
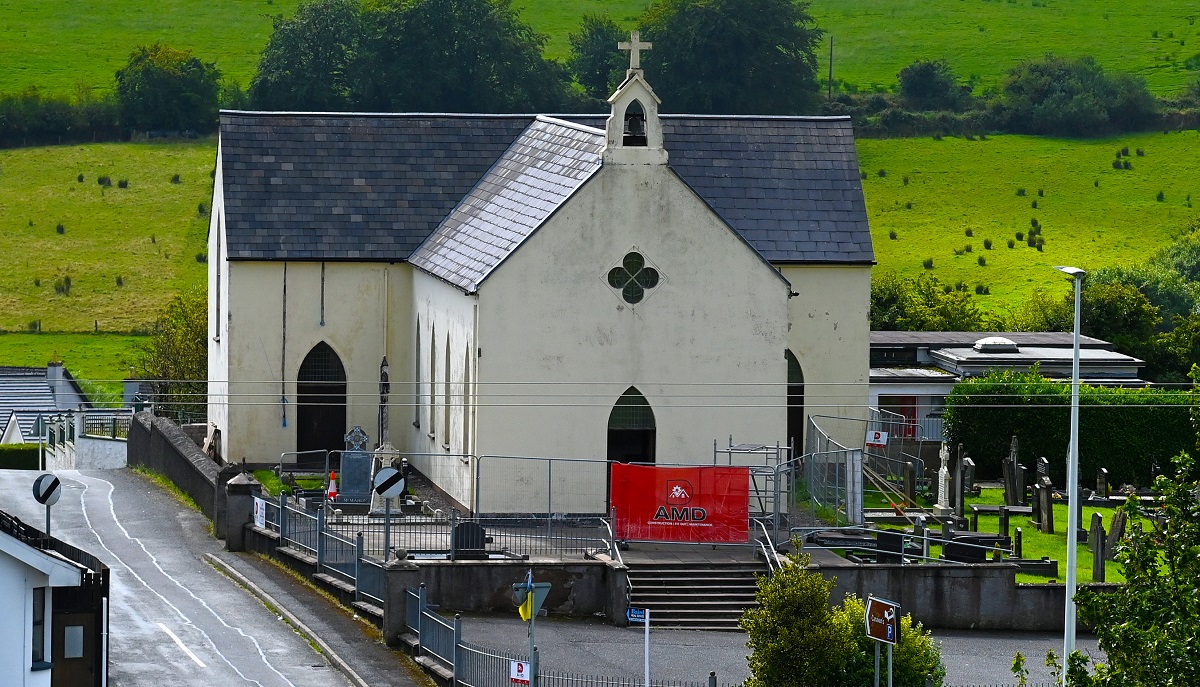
(519, 673)
(260, 512)
(877, 439)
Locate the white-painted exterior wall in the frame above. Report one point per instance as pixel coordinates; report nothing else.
(22, 569)
(705, 347)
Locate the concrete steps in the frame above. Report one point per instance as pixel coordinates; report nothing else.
(697, 595)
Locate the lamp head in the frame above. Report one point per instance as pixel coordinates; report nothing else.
(1074, 272)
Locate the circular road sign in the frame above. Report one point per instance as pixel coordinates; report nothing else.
(47, 489)
(389, 483)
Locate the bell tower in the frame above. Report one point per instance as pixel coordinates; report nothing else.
(634, 131)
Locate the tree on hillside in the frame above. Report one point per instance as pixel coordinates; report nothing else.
(1148, 627)
(732, 56)
(1119, 314)
(1166, 289)
(309, 59)
(166, 88)
(930, 85)
(1041, 311)
(480, 58)
(1183, 255)
(595, 61)
(1074, 97)
(176, 358)
(921, 304)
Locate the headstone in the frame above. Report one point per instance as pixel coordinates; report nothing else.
(958, 492)
(1017, 545)
(1037, 503)
(969, 475)
(1019, 470)
(890, 546)
(1003, 527)
(1012, 497)
(1096, 542)
(1102, 483)
(910, 482)
(1009, 479)
(1043, 468)
(469, 541)
(942, 507)
(1116, 532)
(1046, 506)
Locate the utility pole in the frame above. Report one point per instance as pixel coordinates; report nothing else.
(829, 96)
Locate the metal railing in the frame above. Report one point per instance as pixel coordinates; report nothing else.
(109, 425)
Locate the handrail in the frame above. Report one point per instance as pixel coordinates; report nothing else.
(766, 542)
(614, 551)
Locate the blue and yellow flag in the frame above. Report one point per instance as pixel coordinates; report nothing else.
(526, 608)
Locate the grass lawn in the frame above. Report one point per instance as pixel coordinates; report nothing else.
(98, 361)
(1092, 215)
(126, 251)
(58, 46)
(875, 39)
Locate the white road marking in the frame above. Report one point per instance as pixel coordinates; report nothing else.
(183, 648)
(112, 511)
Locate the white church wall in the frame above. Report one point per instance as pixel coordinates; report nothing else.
(830, 335)
(218, 307)
(359, 308)
(445, 318)
(705, 346)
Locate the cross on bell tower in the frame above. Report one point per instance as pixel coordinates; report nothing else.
(635, 46)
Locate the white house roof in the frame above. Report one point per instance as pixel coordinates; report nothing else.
(62, 572)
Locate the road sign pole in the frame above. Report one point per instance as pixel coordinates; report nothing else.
(47, 520)
(889, 664)
(877, 664)
(647, 624)
(387, 529)
(533, 657)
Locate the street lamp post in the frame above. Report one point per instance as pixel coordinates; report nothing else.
(1077, 276)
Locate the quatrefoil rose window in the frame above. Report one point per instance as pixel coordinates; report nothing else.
(633, 277)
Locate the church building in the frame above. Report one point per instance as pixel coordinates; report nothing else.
(466, 287)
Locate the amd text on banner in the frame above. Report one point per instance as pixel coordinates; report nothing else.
(706, 504)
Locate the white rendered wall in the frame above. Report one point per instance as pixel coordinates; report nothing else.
(218, 309)
(830, 335)
(17, 581)
(362, 304)
(559, 342)
(444, 318)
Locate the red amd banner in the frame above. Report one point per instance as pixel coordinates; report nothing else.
(707, 504)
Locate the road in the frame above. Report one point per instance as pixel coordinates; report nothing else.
(174, 619)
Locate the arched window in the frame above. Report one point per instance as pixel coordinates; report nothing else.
(795, 402)
(446, 398)
(417, 378)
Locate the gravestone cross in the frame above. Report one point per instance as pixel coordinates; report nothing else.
(635, 46)
(943, 494)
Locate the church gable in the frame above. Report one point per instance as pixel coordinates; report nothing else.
(541, 170)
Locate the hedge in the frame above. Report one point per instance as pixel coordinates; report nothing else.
(1133, 433)
(19, 457)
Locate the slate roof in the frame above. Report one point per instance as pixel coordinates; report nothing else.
(23, 389)
(542, 168)
(375, 186)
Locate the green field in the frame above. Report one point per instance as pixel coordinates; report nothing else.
(98, 361)
(875, 39)
(147, 235)
(955, 185)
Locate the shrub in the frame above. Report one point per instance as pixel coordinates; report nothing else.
(1116, 164)
(982, 261)
(1074, 97)
(1031, 241)
(60, 228)
(104, 181)
(63, 286)
(79, 178)
(927, 263)
(1020, 192)
(1127, 165)
(970, 232)
(202, 209)
(1125, 151)
(23, 457)
(882, 173)
(1033, 205)
(1096, 183)
(967, 248)
(201, 257)
(120, 280)
(37, 281)
(1033, 222)
(979, 289)
(906, 180)
(908, 205)
(1011, 243)
(1124, 430)
(1160, 197)
(864, 175)
(892, 234)
(1020, 236)
(930, 85)
(1141, 153)
(123, 183)
(1041, 192)
(987, 244)
(175, 179)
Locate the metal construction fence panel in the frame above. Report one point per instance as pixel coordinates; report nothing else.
(544, 485)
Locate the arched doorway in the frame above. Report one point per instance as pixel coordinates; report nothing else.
(795, 402)
(321, 397)
(631, 429)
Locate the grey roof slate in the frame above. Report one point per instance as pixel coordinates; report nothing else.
(542, 168)
(375, 186)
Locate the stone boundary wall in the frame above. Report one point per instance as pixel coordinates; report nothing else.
(158, 444)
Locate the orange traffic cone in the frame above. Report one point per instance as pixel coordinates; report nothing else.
(331, 491)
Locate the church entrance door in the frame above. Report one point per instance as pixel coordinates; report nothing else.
(631, 429)
(321, 397)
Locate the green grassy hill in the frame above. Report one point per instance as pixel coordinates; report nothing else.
(875, 39)
(931, 192)
(126, 250)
